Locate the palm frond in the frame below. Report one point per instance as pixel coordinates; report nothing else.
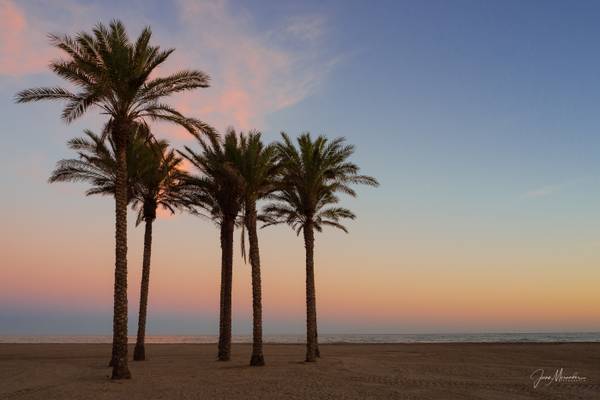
(49, 93)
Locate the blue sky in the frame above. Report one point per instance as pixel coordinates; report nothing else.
(480, 119)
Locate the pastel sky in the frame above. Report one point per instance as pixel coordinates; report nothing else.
(480, 119)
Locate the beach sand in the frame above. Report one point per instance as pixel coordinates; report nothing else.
(365, 371)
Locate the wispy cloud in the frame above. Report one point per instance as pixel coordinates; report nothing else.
(23, 49)
(254, 70)
(543, 191)
(306, 27)
(24, 29)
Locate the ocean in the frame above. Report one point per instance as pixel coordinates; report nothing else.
(544, 337)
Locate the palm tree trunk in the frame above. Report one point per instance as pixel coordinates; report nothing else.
(111, 363)
(120, 369)
(311, 307)
(257, 358)
(139, 353)
(317, 351)
(227, 226)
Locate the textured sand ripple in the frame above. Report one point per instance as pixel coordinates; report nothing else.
(356, 371)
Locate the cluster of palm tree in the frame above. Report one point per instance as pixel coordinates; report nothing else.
(299, 182)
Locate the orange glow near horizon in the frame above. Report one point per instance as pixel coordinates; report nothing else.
(352, 288)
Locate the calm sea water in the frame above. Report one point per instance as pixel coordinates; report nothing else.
(329, 338)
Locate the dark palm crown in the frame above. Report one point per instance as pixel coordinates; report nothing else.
(107, 70)
(257, 166)
(217, 191)
(153, 170)
(97, 162)
(158, 180)
(311, 175)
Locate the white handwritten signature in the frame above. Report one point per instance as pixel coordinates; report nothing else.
(559, 376)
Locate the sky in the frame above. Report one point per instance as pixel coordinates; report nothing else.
(479, 119)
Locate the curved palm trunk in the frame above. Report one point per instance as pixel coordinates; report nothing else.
(119, 361)
(257, 358)
(311, 306)
(224, 351)
(139, 353)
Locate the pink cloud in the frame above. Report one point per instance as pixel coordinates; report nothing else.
(23, 49)
(253, 72)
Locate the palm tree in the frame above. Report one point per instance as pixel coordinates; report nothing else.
(258, 170)
(217, 194)
(157, 184)
(152, 171)
(113, 73)
(311, 176)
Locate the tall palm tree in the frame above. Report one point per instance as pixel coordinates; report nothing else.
(311, 176)
(113, 73)
(152, 171)
(217, 193)
(258, 169)
(97, 165)
(157, 184)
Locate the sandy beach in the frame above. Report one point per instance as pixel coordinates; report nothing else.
(398, 371)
